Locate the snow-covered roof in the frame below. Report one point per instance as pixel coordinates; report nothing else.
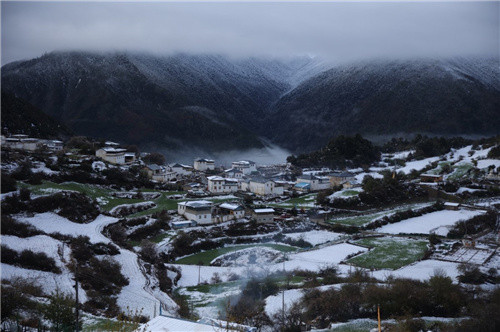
(113, 150)
(154, 167)
(303, 185)
(266, 210)
(196, 204)
(342, 175)
(260, 179)
(109, 143)
(215, 178)
(176, 165)
(307, 177)
(233, 170)
(451, 204)
(231, 206)
(202, 160)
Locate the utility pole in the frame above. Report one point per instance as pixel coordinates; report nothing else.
(199, 274)
(77, 318)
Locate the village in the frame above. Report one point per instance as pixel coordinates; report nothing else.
(222, 225)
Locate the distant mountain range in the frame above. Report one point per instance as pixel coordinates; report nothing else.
(218, 103)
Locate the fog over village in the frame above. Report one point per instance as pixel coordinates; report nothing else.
(250, 166)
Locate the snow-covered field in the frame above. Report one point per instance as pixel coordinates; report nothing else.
(315, 237)
(421, 270)
(51, 223)
(138, 295)
(417, 165)
(436, 222)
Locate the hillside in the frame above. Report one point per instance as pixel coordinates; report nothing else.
(205, 101)
(20, 117)
(215, 103)
(454, 97)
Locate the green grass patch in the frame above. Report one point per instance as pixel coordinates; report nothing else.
(206, 257)
(460, 171)
(389, 253)
(105, 324)
(367, 218)
(299, 202)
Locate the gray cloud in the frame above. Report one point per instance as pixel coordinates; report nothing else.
(336, 31)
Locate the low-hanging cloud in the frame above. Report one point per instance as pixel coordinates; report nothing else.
(337, 31)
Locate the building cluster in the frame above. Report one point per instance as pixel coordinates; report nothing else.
(23, 142)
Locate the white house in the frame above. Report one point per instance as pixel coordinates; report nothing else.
(181, 169)
(159, 173)
(22, 142)
(204, 164)
(116, 156)
(233, 173)
(261, 186)
(316, 182)
(220, 185)
(245, 166)
(265, 215)
(339, 178)
(230, 211)
(199, 211)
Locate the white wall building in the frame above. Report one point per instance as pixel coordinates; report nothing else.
(316, 182)
(233, 173)
(230, 211)
(116, 156)
(204, 164)
(245, 166)
(199, 211)
(159, 173)
(220, 185)
(181, 169)
(261, 186)
(263, 215)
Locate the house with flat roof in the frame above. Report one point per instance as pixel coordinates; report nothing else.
(262, 186)
(262, 216)
(220, 185)
(245, 166)
(316, 182)
(233, 173)
(199, 211)
(339, 178)
(229, 211)
(159, 173)
(203, 165)
(116, 156)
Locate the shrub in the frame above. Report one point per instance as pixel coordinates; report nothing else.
(28, 259)
(10, 226)
(7, 183)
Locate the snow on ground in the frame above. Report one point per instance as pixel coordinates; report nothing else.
(50, 222)
(359, 177)
(50, 282)
(312, 260)
(417, 165)
(462, 153)
(345, 193)
(485, 163)
(274, 303)
(315, 237)
(41, 168)
(461, 190)
(38, 243)
(422, 270)
(137, 295)
(249, 256)
(437, 222)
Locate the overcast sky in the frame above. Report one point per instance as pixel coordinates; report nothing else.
(336, 31)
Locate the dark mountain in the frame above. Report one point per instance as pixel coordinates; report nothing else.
(20, 117)
(455, 97)
(206, 101)
(218, 103)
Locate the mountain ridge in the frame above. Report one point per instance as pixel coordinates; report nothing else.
(218, 103)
